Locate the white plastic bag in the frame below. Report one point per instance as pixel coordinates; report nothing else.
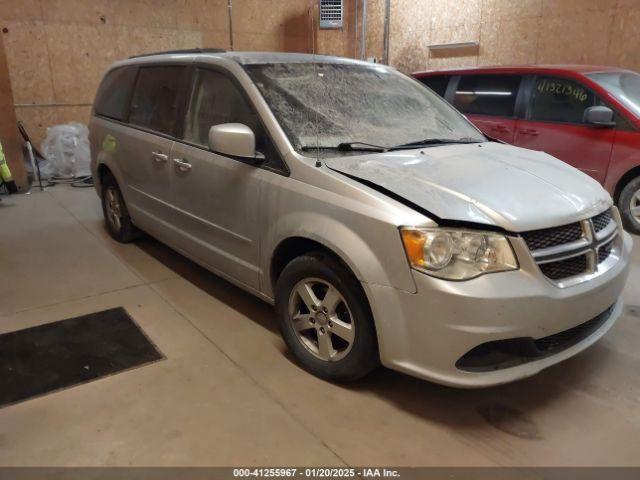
(66, 148)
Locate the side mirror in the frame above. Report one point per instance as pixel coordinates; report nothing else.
(235, 140)
(599, 116)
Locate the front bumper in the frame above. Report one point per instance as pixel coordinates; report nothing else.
(424, 334)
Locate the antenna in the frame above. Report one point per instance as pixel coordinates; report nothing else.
(315, 72)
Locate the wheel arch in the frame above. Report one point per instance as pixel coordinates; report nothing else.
(102, 171)
(293, 247)
(624, 179)
(371, 249)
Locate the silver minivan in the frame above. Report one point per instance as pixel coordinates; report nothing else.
(383, 226)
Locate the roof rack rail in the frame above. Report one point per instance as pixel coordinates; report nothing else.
(189, 50)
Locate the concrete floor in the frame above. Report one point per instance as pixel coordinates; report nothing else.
(229, 393)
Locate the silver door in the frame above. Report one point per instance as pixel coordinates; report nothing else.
(217, 197)
(217, 210)
(145, 148)
(147, 176)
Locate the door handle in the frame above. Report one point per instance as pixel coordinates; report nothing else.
(182, 164)
(159, 157)
(530, 131)
(500, 129)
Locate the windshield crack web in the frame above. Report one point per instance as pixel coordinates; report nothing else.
(325, 104)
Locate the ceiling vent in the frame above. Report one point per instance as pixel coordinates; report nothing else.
(331, 12)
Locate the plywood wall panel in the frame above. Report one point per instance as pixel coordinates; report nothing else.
(215, 39)
(261, 16)
(138, 40)
(375, 29)
(28, 59)
(496, 10)
(465, 32)
(144, 13)
(258, 42)
(575, 38)
(202, 14)
(512, 31)
(561, 8)
(78, 56)
(79, 11)
(509, 41)
(20, 10)
(448, 14)
(410, 34)
(624, 48)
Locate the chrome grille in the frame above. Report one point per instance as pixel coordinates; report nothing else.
(575, 250)
(604, 251)
(600, 222)
(551, 237)
(565, 268)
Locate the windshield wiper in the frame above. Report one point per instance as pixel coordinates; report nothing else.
(434, 141)
(347, 147)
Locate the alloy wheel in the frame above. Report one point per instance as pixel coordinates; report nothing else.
(634, 206)
(114, 209)
(321, 319)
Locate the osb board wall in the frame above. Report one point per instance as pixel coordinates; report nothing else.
(509, 32)
(57, 50)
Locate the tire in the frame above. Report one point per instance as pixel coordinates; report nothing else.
(337, 344)
(116, 215)
(629, 205)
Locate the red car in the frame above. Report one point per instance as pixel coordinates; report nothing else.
(587, 116)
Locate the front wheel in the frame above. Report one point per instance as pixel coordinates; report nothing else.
(629, 204)
(325, 318)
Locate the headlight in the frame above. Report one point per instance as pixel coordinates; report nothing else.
(456, 254)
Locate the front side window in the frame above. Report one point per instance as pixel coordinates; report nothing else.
(560, 100)
(215, 100)
(112, 100)
(155, 99)
(322, 105)
(487, 94)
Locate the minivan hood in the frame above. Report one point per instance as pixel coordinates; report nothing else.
(487, 183)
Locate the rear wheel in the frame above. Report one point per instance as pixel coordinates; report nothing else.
(115, 212)
(325, 318)
(629, 204)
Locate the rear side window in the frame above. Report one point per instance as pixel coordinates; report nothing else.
(155, 99)
(437, 84)
(114, 93)
(560, 100)
(487, 94)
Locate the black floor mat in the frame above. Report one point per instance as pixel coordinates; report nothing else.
(49, 357)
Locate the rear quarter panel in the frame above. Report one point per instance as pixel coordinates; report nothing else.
(104, 149)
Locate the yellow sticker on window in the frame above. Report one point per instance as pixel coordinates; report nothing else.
(558, 87)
